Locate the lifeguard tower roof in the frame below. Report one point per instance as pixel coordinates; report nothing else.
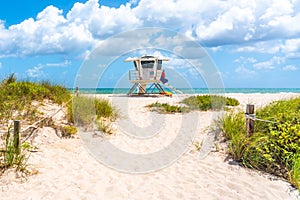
(145, 57)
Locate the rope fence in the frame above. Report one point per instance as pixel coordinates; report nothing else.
(47, 117)
(34, 126)
(253, 117)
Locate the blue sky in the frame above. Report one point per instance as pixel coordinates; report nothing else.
(250, 43)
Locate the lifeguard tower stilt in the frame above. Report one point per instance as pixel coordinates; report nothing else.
(148, 71)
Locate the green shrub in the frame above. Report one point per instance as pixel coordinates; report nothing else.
(274, 147)
(232, 102)
(203, 102)
(273, 152)
(57, 93)
(68, 131)
(11, 89)
(282, 139)
(16, 99)
(167, 108)
(17, 96)
(209, 102)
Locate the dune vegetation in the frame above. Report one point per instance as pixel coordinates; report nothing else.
(87, 112)
(199, 102)
(209, 102)
(167, 108)
(20, 100)
(275, 145)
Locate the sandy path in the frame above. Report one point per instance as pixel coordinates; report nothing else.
(68, 171)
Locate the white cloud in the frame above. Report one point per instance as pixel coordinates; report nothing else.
(102, 21)
(229, 26)
(49, 33)
(270, 64)
(244, 60)
(133, 2)
(62, 64)
(83, 27)
(290, 68)
(214, 23)
(270, 47)
(277, 9)
(244, 71)
(252, 60)
(0, 65)
(177, 63)
(292, 45)
(36, 72)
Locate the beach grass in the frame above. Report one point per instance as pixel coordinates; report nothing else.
(13, 156)
(87, 112)
(167, 108)
(275, 145)
(16, 103)
(233, 126)
(199, 102)
(294, 173)
(16, 97)
(209, 102)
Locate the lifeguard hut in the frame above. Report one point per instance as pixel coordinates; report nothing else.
(148, 71)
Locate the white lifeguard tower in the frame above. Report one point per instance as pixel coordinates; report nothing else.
(148, 71)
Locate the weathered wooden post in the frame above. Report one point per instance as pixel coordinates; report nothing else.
(76, 91)
(17, 127)
(249, 120)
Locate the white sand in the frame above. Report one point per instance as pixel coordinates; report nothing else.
(68, 171)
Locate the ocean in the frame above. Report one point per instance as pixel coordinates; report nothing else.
(195, 90)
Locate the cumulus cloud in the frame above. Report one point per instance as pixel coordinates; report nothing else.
(244, 71)
(102, 21)
(291, 48)
(235, 25)
(290, 68)
(270, 64)
(270, 47)
(61, 64)
(292, 45)
(38, 71)
(51, 32)
(244, 60)
(213, 23)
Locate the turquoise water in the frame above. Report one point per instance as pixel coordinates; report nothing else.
(195, 90)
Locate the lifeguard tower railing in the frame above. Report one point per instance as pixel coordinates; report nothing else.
(148, 76)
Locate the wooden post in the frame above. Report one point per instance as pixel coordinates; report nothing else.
(76, 91)
(17, 127)
(250, 122)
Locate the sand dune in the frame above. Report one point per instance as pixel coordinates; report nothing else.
(68, 170)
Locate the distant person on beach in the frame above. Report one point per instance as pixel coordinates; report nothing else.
(163, 77)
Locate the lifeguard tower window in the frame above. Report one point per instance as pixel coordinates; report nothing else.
(159, 64)
(147, 64)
